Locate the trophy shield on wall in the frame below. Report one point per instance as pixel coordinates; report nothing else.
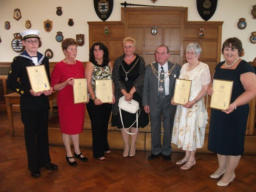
(206, 8)
(103, 8)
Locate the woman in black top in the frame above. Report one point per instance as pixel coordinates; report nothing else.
(128, 77)
(227, 128)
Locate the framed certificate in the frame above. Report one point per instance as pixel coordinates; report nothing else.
(80, 90)
(221, 95)
(182, 91)
(103, 90)
(38, 78)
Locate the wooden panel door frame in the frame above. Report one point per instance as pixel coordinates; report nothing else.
(179, 12)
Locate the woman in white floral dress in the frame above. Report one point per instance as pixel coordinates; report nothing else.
(191, 119)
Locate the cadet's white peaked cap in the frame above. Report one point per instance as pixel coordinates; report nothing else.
(30, 33)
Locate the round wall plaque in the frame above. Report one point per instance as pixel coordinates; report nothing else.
(48, 53)
(59, 36)
(17, 43)
(253, 37)
(241, 24)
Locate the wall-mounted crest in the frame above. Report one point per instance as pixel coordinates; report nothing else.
(59, 11)
(254, 11)
(28, 24)
(7, 25)
(48, 25)
(154, 30)
(80, 39)
(241, 24)
(201, 32)
(206, 8)
(59, 36)
(70, 22)
(106, 30)
(17, 43)
(103, 8)
(17, 14)
(48, 53)
(253, 37)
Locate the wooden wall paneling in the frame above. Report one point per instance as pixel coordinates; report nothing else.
(112, 39)
(169, 23)
(139, 34)
(116, 48)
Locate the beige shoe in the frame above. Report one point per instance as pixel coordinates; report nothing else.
(126, 152)
(181, 162)
(217, 175)
(188, 165)
(222, 184)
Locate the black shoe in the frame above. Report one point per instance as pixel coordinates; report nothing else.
(152, 156)
(35, 174)
(51, 166)
(84, 159)
(74, 163)
(166, 157)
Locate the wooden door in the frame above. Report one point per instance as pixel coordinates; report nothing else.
(169, 24)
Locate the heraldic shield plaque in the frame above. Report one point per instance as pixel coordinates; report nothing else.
(206, 8)
(103, 8)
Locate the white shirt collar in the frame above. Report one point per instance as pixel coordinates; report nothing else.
(165, 66)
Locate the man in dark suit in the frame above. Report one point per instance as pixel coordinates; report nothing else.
(158, 90)
(33, 105)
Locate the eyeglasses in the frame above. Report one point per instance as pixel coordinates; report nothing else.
(32, 41)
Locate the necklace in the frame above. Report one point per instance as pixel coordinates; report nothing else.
(230, 65)
(127, 72)
(156, 73)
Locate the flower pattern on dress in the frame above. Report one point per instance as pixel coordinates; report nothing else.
(187, 134)
(100, 73)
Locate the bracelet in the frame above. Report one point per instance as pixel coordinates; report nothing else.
(234, 107)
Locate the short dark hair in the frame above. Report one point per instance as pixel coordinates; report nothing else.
(105, 55)
(234, 43)
(67, 42)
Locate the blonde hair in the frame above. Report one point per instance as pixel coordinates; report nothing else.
(130, 39)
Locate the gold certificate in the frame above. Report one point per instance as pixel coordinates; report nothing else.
(182, 91)
(38, 78)
(104, 90)
(80, 90)
(221, 95)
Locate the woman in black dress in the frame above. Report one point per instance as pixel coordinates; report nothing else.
(227, 128)
(128, 77)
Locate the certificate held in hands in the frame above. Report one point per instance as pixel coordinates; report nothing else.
(182, 91)
(38, 78)
(221, 95)
(80, 90)
(104, 90)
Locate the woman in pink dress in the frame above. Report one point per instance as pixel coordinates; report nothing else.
(71, 116)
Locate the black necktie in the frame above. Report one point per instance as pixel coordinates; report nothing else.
(161, 83)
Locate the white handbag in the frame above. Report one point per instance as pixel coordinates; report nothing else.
(130, 107)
